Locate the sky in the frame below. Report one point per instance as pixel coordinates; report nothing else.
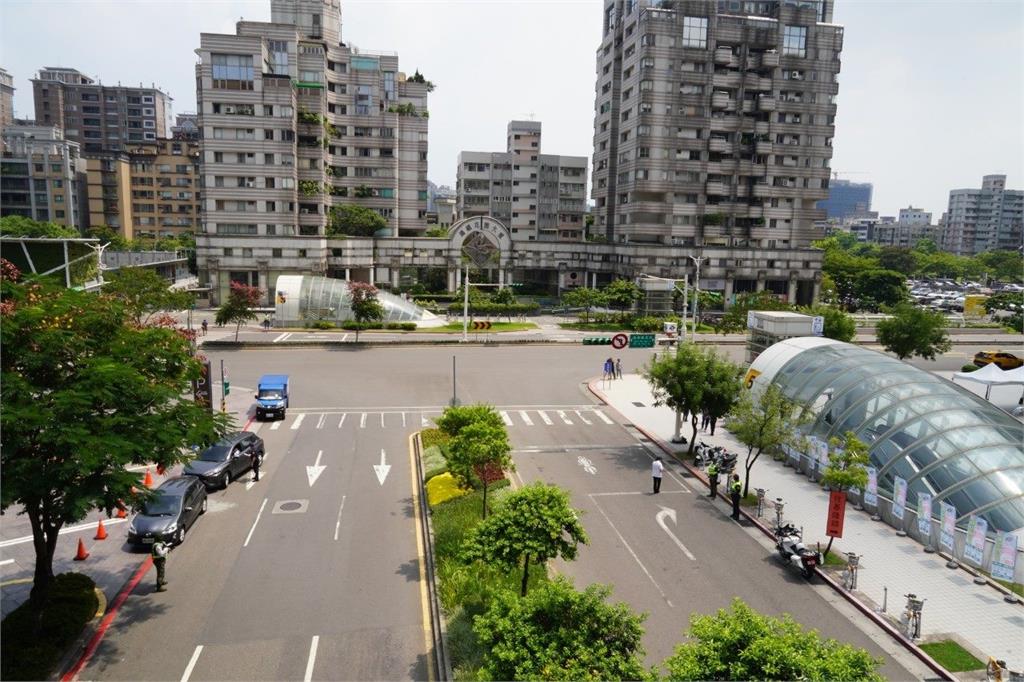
(930, 92)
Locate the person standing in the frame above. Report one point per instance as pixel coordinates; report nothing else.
(705, 419)
(713, 421)
(255, 467)
(713, 479)
(618, 368)
(206, 325)
(159, 553)
(657, 469)
(609, 369)
(735, 488)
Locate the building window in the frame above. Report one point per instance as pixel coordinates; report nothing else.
(277, 51)
(364, 100)
(695, 32)
(232, 71)
(311, 76)
(389, 85)
(794, 41)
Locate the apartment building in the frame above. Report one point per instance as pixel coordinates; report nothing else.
(540, 197)
(847, 200)
(6, 98)
(985, 219)
(39, 174)
(149, 190)
(99, 117)
(294, 122)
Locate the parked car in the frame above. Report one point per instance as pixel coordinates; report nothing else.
(998, 358)
(177, 503)
(227, 459)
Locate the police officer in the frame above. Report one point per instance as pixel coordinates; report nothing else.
(713, 479)
(735, 488)
(255, 467)
(159, 553)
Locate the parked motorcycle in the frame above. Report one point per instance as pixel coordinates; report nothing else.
(790, 545)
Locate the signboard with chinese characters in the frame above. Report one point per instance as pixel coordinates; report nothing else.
(1004, 556)
(899, 497)
(974, 547)
(836, 514)
(947, 534)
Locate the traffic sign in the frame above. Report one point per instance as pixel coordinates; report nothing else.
(619, 341)
(641, 340)
(481, 325)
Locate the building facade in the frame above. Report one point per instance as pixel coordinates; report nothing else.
(294, 123)
(541, 197)
(986, 219)
(6, 98)
(39, 175)
(847, 200)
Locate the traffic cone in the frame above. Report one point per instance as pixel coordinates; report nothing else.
(101, 532)
(148, 480)
(121, 513)
(82, 555)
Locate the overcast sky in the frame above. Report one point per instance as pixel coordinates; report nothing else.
(930, 94)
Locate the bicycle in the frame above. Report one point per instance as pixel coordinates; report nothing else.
(911, 618)
(849, 575)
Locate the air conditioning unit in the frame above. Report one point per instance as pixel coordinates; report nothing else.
(229, 109)
(250, 184)
(303, 210)
(796, 76)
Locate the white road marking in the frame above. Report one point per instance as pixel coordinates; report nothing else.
(505, 418)
(635, 492)
(544, 416)
(258, 515)
(6, 561)
(313, 472)
(403, 420)
(587, 465)
(631, 552)
(337, 524)
(255, 427)
(342, 420)
(382, 420)
(671, 513)
(312, 658)
(603, 417)
(192, 663)
(582, 418)
(525, 417)
(68, 529)
(320, 424)
(276, 425)
(281, 337)
(362, 420)
(298, 420)
(345, 336)
(423, 420)
(381, 469)
(564, 418)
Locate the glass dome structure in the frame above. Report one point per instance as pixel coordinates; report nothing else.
(938, 436)
(300, 298)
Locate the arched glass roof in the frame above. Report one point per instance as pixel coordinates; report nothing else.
(940, 437)
(302, 298)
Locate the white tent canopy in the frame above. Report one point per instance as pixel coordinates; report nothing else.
(991, 375)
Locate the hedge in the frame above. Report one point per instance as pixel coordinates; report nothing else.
(443, 488)
(434, 462)
(496, 309)
(352, 325)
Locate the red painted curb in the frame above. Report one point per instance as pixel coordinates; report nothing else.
(863, 608)
(101, 631)
(249, 423)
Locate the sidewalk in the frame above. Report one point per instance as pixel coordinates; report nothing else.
(954, 603)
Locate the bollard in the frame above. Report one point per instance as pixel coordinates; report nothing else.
(885, 598)
(779, 505)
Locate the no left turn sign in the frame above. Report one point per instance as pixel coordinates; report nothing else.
(619, 341)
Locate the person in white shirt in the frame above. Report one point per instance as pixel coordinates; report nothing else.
(657, 469)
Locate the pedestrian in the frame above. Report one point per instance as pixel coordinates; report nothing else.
(266, 323)
(255, 467)
(713, 479)
(618, 368)
(657, 469)
(206, 325)
(735, 488)
(705, 419)
(609, 369)
(159, 553)
(714, 420)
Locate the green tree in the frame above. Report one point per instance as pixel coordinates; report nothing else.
(20, 226)
(355, 221)
(583, 297)
(1006, 266)
(764, 420)
(144, 293)
(926, 245)
(454, 419)
(942, 264)
(898, 259)
(504, 296)
(87, 392)
(838, 324)
(536, 523)
(1004, 300)
(876, 287)
(742, 644)
(622, 294)
(735, 318)
(847, 467)
(364, 304)
(238, 308)
(913, 331)
(559, 633)
(438, 232)
(108, 235)
(478, 455)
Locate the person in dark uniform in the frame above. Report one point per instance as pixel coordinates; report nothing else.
(159, 553)
(735, 489)
(255, 467)
(713, 479)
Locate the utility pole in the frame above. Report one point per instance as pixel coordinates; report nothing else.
(465, 307)
(697, 260)
(225, 388)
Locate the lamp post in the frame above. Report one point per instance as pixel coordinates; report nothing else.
(697, 260)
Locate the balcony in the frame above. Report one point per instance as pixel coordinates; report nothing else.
(719, 188)
(721, 100)
(725, 79)
(763, 147)
(724, 122)
(766, 103)
(724, 55)
(761, 128)
(719, 145)
(770, 59)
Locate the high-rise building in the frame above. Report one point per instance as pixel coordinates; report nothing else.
(539, 197)
(39, 175)
(714, 121)
(985, 219)
(914, 216)
(6, 98)
(847, 200)
(294, 123)
(99, 117)
(186, 127)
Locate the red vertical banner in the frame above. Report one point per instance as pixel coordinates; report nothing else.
(836, 514)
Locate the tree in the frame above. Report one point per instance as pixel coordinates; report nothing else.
(880, 288)
(355, 221)
(364, 304)
(583, 297)
(622, 294)
(913, 331)
(898, 259)
(536, 523)
(1005, 300)
(559, 633)
(87, 392)
(20, 226)
(735, 318)
(742, 644)
(479, 454)
(926, 245)
(108, 235)
(144, 293)
(1007, 266)
(764, 420)
(454, 419)
(239, 307)
(847, 467)
(838, 324)
(722, 385)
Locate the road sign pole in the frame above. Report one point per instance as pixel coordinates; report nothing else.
(223, 389)
(465, 307)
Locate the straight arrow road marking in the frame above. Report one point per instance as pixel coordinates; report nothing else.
(582, 418)
(671, 513)
(342, 421)
(382, 469)
(337, 524)
(544, 417)
(312, 658)
(526, 417)
(313, 472)
(298, 420)
(564, 418)
(603, 417)
(362, 420)
(192, 663)
(505, 418)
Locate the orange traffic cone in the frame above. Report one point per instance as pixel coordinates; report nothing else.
(101, 532)
(148, 480)
(82, 555)
(121, 513)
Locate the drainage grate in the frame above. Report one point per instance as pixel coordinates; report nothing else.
(291, 507)
(638, 404)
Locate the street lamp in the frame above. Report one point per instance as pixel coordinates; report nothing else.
(697, 260)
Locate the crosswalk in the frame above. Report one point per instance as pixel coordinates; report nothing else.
(582, 416)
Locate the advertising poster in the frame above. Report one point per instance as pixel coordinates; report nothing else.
(974, 548)
(836, 514)
(924, 515)
(947, 535)
(871, 492)
(1004, 556)
(899, 497)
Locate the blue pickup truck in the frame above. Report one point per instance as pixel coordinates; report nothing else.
(272, 396)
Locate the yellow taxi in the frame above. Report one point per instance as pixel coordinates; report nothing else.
(998, 358)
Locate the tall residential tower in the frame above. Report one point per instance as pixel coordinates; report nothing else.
(986, 219)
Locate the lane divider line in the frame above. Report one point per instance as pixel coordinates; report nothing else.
(337, 524)
(298, 421)
(192, 663)
(6, 561)
(544, 417)
(631, 552)
(320, 424)
(525, 417)
(258, 515)
(342, 421)
(312, 658)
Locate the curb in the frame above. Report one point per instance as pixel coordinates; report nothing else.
(885, 625)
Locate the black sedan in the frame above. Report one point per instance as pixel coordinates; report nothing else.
(227, 459)
(176, 505)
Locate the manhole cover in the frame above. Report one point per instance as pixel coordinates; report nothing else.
(291, 507)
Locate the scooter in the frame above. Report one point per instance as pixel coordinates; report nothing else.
(790, 545)
(726, 461)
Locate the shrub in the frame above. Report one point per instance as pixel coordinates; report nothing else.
(322, 324)
(443, 488)
(646, 324)
(431, 437)
(407, 326)
(969, 368)
(434, 463)
(352, 325)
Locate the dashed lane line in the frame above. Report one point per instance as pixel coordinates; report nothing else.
(320, 424)
(505, 418)
(312, 658)
(298, 421)
(362, 420)
(525, 417)
(544, 417)
(258, 515)
(342, 420)
(192, 663)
